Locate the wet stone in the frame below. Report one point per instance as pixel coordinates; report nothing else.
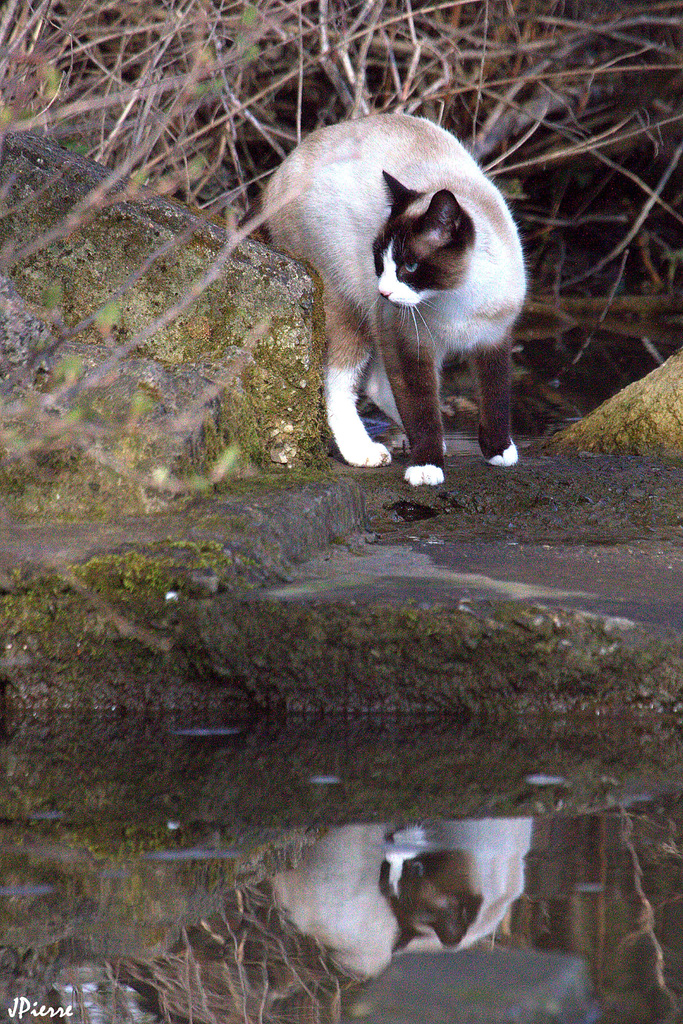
(498, 986)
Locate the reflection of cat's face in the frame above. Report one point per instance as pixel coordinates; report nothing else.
(433, 893)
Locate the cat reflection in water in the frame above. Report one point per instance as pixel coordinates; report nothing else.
(420, 260)
(366, 894)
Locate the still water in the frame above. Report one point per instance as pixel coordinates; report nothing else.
(555, 918)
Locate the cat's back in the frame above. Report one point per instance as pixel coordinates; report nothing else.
(344, 163)
(329, 200)
(369, 140)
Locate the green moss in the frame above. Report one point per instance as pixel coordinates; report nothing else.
(70, 485)
(266, 411)
(129, 574)
(200, 555)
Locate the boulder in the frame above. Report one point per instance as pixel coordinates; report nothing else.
(645, 418)
(159, 386)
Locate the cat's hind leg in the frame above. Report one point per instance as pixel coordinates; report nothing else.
(492, 372)
(378, 389)
(348, 351)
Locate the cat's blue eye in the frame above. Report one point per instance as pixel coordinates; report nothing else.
(410, 268)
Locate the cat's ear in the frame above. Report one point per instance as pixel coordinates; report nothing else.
(400, 195)
(445, 222)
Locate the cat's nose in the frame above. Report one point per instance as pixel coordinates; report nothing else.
(386, 292)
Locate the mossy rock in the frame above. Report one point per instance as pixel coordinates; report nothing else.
(645, 418)
(238, 366)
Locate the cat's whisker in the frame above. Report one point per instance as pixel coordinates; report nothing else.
(429, 303)
(417, 310)
(366, 314)
(417, 329)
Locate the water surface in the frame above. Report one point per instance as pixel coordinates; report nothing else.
(551, 917)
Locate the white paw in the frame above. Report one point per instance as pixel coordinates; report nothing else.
(508, 458)
(372, 454)
(417, 475)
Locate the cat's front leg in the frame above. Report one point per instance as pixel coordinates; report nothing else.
(352, 439)
(348, 351)
(492, 372)
(414, 381)
(426, 474)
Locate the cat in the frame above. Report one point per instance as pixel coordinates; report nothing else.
(420, 259)
(366, 892)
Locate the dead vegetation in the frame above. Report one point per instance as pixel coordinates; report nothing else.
(578, 105)
(244, 965)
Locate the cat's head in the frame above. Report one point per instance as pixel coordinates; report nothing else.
(422, 249)
(434, 892)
